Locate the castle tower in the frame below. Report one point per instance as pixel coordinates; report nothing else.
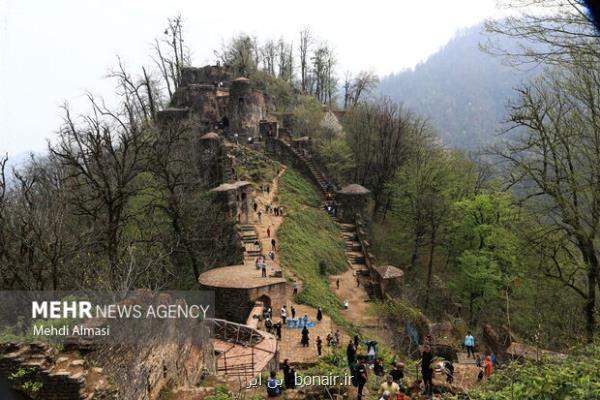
(247, 108)
(351, 200)
(210, 158)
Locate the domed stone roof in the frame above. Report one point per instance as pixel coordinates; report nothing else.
(354, 188)
(389, 272)
(210, 136)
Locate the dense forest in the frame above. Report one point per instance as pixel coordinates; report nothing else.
(462, 90)
(509, 240)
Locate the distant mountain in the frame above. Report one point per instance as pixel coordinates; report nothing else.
(462, 90)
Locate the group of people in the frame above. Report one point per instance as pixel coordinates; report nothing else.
(392, 388)
(269, 209)
(485, 364)
(261, 263)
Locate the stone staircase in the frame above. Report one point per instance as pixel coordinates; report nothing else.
(354, 253)
(249, 237)
(323, 183)
(62, 375)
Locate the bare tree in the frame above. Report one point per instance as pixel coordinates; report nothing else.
(270, 53)
(103, 155)
(306, 41)
(545, 32)
(376, 133)
(286, 61)
(174, 57)
(555, 159)
(364, 83)
(347, 89)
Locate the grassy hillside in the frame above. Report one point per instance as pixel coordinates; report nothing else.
(307, 237)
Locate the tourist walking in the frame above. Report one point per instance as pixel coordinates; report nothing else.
(470, 345)
(269, 231)
(295, 287)
(337, 283)
(397, 372)
(273, 388)
(351, 353)
(319, 345)
(319, 314)
(356, 341)
(263, 269)
(305, 340)
(283, 313)
(449, 370)
(390, 387)
(489, 367)
(305, 320)
(360, 378)
(426, 370)
(293, 310)
(273, 244)
(378, 367)
(286, 373)
(371, 351)
(293, 378)
(278, 330)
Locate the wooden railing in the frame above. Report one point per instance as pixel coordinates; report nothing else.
(233, 332)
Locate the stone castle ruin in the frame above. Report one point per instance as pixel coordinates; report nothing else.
(216, 99)
(210, 105)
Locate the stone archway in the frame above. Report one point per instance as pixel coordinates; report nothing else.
(266, 300)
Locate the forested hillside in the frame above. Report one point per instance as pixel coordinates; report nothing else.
(461, 89)
(372, 225)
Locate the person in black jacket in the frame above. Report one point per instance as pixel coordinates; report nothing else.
(397, 372)
(426, 370)
(351, 353)
(360, 377)
(305, 339)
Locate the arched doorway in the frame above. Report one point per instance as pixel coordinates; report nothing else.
(225, 122)
(266, 300)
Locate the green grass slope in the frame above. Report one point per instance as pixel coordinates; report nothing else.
(307, 237)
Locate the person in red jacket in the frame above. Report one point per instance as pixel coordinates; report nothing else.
(489, 368)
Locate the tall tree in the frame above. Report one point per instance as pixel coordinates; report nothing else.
(547, 32)
(306, 41)
(171, 55)
(555, 158)
(103, 155)
(364, 84)
(376, 134)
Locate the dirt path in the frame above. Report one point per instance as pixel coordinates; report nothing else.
(289, 346)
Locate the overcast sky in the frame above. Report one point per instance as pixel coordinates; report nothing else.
(51, 51)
